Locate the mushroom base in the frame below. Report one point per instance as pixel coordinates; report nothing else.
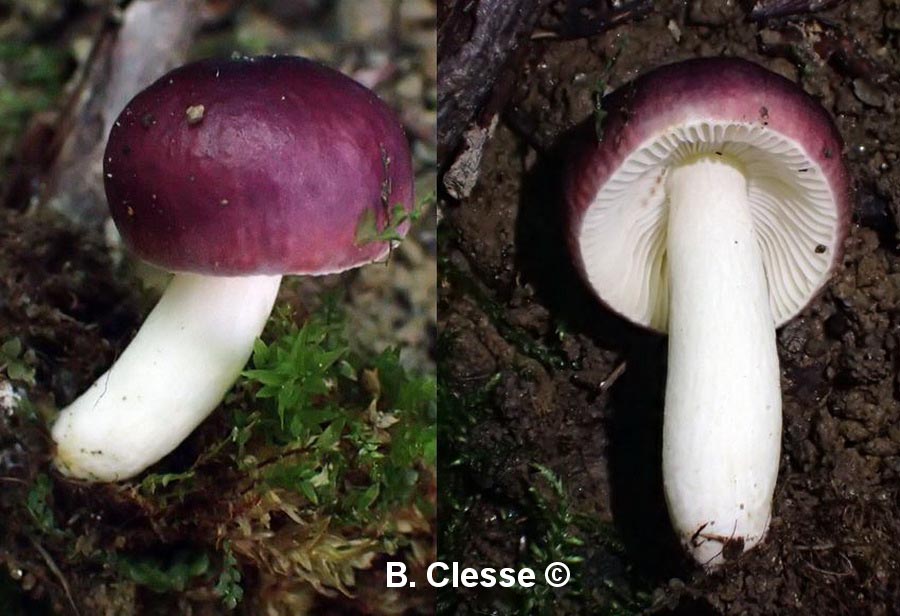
(722, 425)
(174, 373)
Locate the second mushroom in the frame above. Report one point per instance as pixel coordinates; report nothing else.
(714, 208)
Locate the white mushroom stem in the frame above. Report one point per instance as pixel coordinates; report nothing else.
(722, 425)
(179, 366)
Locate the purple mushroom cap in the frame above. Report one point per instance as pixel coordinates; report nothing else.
(793, 158)
(267, 165)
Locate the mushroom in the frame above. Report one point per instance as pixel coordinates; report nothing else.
(230, 173)
(714, 208)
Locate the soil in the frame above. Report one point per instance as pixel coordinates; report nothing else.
(550, 378)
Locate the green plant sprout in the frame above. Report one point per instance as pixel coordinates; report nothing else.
(367, 230)
(37, 505)
(164, 575)
(16, 363)
(228, 587)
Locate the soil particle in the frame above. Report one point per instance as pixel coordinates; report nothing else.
(713, 12)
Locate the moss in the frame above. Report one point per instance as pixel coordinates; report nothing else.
(34, 76)
(320, 462)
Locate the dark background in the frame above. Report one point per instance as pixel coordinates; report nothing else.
(551, 407)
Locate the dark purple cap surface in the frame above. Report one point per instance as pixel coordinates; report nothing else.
(269, 165)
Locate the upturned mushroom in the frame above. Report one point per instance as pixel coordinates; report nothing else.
(714, 208)
(230, 174)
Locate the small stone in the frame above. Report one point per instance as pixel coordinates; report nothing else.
(769, 37)
(847, 103)
(675, 30)
(785, 68)
(410, 87)
(816, 347)
(881, 447)
(868, 93)
(853, 431)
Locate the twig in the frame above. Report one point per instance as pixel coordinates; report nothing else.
(269, 461)
(132, 49)
(613, 376)
(827, 572)
(815, 548)
(476, 42)
(767, 9)
(14, 480)
(51, 564)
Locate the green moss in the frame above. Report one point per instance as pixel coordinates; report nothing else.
(358, 432)
(558, 534)
(228, 586)
(320, 460)
(350, 449)
(172, 573)
(39, 507)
